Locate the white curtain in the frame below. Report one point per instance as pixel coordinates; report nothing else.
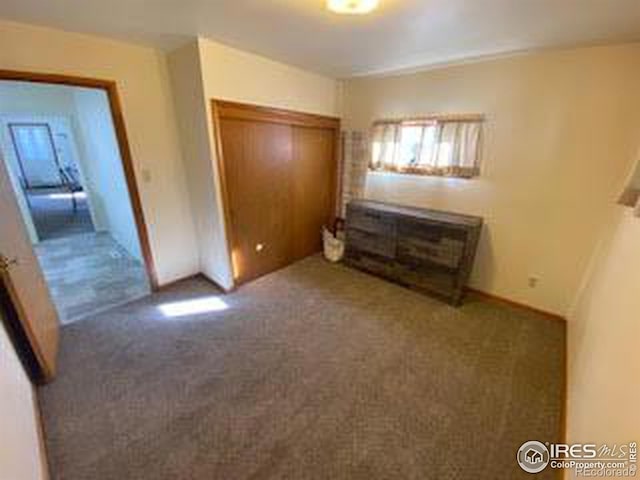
(431, 147)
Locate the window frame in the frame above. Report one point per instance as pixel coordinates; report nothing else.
(452, 170)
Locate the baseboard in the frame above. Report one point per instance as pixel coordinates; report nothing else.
(505, 301)
(173, 283)
(195, 276)
(216, 284)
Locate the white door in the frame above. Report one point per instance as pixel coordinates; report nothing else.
(20, 272)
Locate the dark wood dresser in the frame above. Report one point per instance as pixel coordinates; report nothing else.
(427, 250)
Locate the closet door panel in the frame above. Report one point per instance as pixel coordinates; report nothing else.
(279, 181)
(258, 158)
(314, 174)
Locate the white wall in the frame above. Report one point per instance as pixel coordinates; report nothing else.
(229, 74)
(105, 174)
(561, 129)
(236, 75)
(188, 90)
(38, 99)
(21, 455)
(604, 331)
(145, 94)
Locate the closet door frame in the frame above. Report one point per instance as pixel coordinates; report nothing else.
(223, 109)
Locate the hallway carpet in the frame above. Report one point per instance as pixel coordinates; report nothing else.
(313, 372)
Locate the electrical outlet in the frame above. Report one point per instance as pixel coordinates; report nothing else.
(533, 281)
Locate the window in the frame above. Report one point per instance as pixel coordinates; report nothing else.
(443, 147)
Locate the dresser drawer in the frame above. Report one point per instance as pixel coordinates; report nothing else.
(444, 252)
(431, 231)
(435, 281)
(371, 263)
(431, 242)
(371, 221)
(358, 240)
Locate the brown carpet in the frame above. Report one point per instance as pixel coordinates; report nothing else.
(314, 372)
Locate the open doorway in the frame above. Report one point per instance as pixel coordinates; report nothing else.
(47, 167)
(64, 156)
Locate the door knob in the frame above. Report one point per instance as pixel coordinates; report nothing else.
(7, 263)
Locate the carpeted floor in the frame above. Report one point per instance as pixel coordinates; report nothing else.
(314, 372)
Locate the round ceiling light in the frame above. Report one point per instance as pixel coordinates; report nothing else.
(352, 7)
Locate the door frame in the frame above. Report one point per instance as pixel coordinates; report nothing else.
(117, 117)
(257, 113)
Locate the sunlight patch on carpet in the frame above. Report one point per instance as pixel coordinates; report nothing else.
(192, 307)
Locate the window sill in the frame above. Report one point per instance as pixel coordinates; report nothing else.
(419, 175)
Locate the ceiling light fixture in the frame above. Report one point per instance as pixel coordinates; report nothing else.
(352, 7)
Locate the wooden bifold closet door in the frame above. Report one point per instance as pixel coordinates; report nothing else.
(279, 177)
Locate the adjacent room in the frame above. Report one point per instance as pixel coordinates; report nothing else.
(63, 160)
(388, 239)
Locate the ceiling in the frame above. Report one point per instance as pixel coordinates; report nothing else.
(402, 34)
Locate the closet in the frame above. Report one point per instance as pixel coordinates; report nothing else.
(279, 175)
